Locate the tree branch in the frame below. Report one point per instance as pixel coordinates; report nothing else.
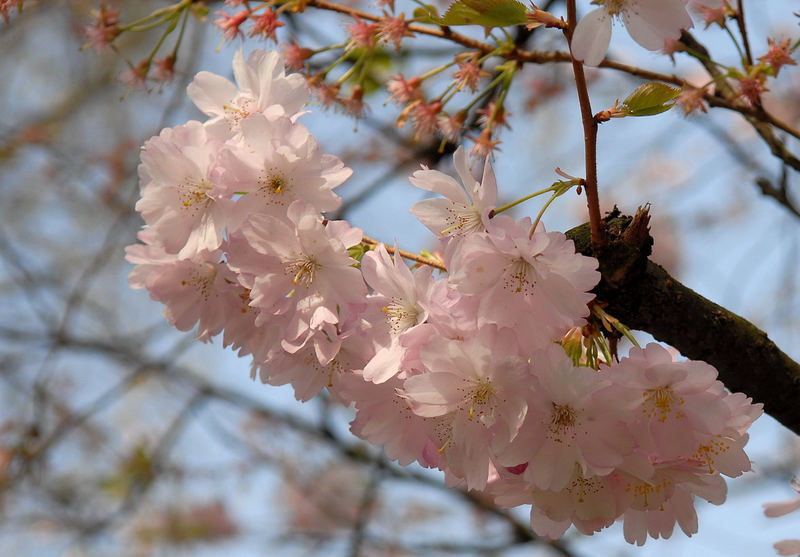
(645, 297)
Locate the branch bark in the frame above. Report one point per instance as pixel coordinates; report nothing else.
(645, 297)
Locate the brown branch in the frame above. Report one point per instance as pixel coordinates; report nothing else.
(589, 137)
(645, 297)
(407, 254)
(743, 31)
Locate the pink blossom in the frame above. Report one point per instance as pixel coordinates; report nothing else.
(452, 127)
(200, 290)
(424, 116)
(277, 162)
(469, 73)
(321, 360)
(711, 11)
(591, 503)
(751, 86)
(482, 395)
(677, 404)
(484, 144)
(383, 417)
(183, 201)
(261, 86)
(404, 300)
(136, 76)
(363, 34)
(307, 274)
(354, 105)
(294, 56)
(649, 22)
(465, 205)
(165, 68)
(535, 285)
(567, 425)
(692, 100)
(779, 55)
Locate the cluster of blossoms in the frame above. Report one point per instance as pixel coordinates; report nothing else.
(463, 372)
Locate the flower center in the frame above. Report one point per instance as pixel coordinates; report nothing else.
(202, 279)
(401, 316)
(659, 403)
(563, 416)
(304, 269)
(237, 110)
(520, 277)
(562, 425)
(614, 7)
(193, 194)
(481, 393)
(273, 185)
(462, 220)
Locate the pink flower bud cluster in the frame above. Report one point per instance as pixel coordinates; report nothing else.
(264, 25)
(462, 372)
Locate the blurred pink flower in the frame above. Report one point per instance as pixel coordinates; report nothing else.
(649, 23)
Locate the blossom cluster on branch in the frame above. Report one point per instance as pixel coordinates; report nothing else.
(483, 373)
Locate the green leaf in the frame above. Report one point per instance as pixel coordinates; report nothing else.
(650, 98)
(488, 13)
(427, 14)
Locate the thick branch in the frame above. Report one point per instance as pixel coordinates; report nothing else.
(644, 296)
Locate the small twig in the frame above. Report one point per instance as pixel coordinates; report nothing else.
(743, 31)
(407, 254)
(589, 138)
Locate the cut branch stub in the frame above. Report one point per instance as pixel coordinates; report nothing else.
(644, 296)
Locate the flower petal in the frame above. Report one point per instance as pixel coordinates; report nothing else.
(592, 36)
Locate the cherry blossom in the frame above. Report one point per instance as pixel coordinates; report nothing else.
(277, 162)
(566, 425)
(261, 86)
(307, 273)
(465, 371)
(535, 285)
(200, 290)
(404, 299)
(465, 205)
(183, 200)
(649, 23)
(483, 396)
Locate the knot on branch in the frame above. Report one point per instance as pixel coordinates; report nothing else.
(624, 257)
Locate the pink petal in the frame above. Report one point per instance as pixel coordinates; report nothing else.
(438, 182)
(787, 547)
(592, 36)
(781, 508)
(209, 92)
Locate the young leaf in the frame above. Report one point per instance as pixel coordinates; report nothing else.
(650, 98)
(488, 13)
(426, 14)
